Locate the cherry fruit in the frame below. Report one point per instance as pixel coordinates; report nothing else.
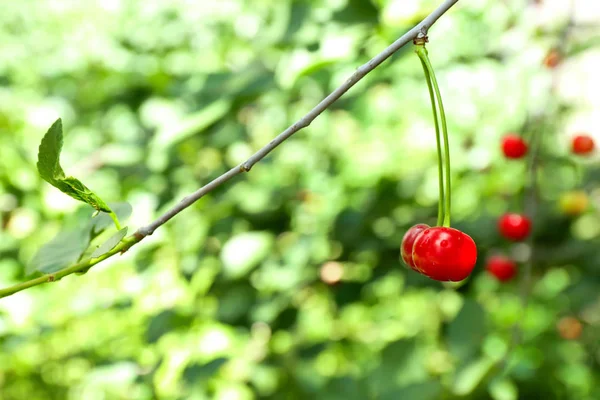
(501, 267)
(513, 146)
(444, 254)
(582, 144)
(407, 244)
(514, 226)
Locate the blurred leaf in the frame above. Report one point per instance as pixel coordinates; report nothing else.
(470, 376)
(235, 302)
(466, 331)
(430, 390)
(401, 365)
(195, 374)
(165, 322)
(358, 11)
(60, 252)
(345, 388)
(245, 251)
(110, 243)
(503, 389)
(191, 125)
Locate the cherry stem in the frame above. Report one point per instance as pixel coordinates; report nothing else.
(440, 219)
(422, 52)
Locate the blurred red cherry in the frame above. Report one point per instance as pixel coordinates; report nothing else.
(552, 59)
(513, 146)
(582, 144)
(501, 267)
(444, 254)
(514, 226)
(408, 241)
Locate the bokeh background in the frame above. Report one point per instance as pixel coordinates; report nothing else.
(286, 283)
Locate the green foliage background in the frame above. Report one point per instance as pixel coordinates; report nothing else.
(226, 301)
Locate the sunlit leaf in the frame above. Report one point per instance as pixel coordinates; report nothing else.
(50, 170)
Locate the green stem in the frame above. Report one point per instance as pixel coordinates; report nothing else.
(445, 132)
(125, 244)
(115, 220)
(419, 50)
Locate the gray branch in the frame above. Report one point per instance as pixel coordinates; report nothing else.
(419, 30)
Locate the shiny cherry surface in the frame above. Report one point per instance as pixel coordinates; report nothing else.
(444, 254)
(407, 244)
(501, 267)
(513, 146)
(514, 226)
(582, 144)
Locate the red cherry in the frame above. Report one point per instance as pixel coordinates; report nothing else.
(513, 146)
(514, 226)
(444, 254)
(503, 268)
(407, 244)
(582, 144)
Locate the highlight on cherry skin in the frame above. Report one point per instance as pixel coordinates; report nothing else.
(408, 241)
(514, 226)
(444, 254)
(501, 267)
(513, 146)
(582, 144)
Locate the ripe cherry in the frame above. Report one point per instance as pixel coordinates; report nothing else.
(444, 254)
(582, 144)
(514, 226)
(407, 244)
(513, 146)
(501, 267)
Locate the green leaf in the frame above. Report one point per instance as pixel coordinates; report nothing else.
(77, 190)
(430, 390)
(195, 374)
(165, 322)
(69, 245)
(467, 329)
(110, 243)
(470, 376)
(245, 251)
(197, 122)
(48, 164)
(63, 250)
(401, 365)
(503, 389)
(50, 170)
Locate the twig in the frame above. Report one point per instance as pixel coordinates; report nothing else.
(418, 31)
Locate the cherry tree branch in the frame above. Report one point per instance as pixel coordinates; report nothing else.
(419, 30)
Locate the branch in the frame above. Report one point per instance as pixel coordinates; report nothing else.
(419, 30)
